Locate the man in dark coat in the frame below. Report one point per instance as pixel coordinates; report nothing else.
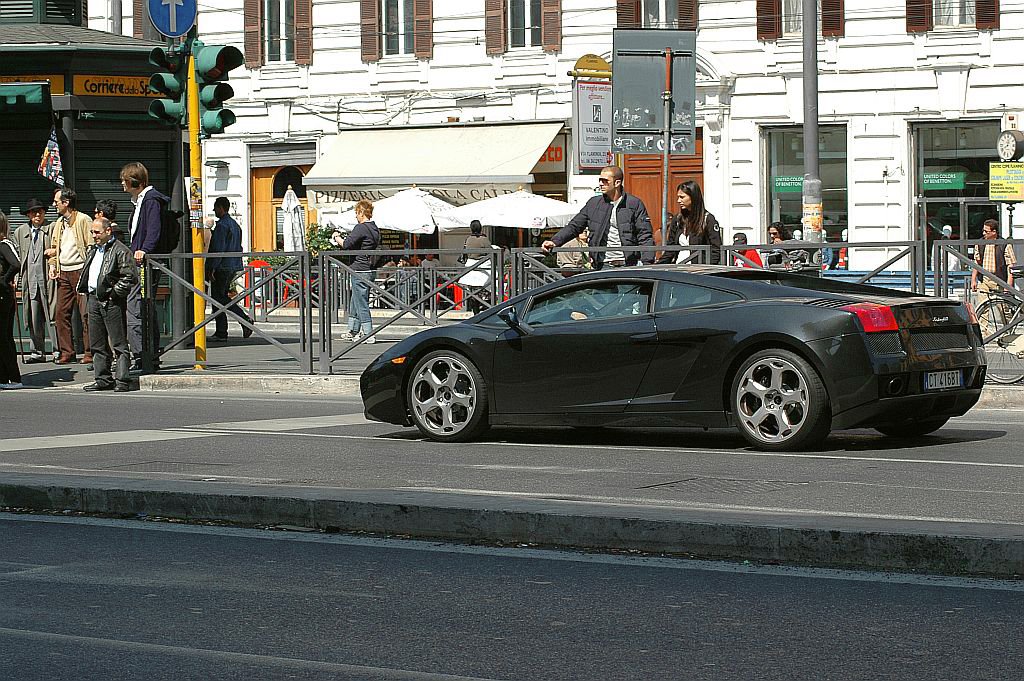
(221, 271)
(615, 219)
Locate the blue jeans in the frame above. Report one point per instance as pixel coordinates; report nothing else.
(359, 305)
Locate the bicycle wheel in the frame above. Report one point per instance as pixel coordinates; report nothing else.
(1005, 352)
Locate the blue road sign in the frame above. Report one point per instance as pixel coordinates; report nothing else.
(173, 18)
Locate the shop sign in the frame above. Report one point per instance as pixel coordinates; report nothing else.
(943, 180)
(553, 160)
(56, 81)
(343, 196)
(788, 184)
(1006, 182)
(112, 86)
(592, 124)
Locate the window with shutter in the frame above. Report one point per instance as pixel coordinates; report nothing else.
(17, 10)
(919, 16)
(496, 25)
(987, 14)
(399, 26)
(303, 32)
(138, 16)
(423, 26)
(279, 23)
(369, 30)
(61, 12)
(627, 13)
(688, 15)
(833, 20)
(551, 25)
(769, 19)
(252, 24)
(953, 13)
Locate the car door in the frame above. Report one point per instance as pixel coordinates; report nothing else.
(694, 334)
(586, 350)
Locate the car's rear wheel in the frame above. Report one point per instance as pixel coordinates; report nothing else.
(913, 428)
(780, 402)
(447, 397)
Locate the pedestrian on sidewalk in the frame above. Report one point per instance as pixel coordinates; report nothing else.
(694, 225)
(68, 247)
(105, 208)
(10, 264)
(365, 236)
(37, 289)
(109, 275)
(221, 271)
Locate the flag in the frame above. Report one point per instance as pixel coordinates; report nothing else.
(50, 166)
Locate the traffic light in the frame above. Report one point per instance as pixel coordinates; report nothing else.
(171, 81)
(213, 62)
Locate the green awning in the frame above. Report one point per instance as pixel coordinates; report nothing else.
(24, 98)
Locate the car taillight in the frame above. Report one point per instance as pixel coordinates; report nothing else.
(972, 314)
(873, 317)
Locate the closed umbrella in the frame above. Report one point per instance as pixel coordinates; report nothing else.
(519, 209)
(294, 230)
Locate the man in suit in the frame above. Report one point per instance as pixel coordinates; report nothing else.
(37, 289)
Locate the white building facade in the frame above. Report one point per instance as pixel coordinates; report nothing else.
(913, 94)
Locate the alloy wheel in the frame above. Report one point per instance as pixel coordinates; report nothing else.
(444, 395)
(772, 400)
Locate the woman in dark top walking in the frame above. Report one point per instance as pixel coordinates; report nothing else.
(10, 264)
(693, 226)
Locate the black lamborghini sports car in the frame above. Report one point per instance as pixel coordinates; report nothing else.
(782, 357)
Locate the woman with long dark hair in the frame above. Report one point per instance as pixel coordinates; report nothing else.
(692, 226)
(10, 264)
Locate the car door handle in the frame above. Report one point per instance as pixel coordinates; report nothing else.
(644, 337)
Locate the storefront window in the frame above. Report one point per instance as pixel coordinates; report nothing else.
(786, 175)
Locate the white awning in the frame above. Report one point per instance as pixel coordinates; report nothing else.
(465, 163)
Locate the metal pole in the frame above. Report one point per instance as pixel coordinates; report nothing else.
(196, 168)
(812, 208)
(666, 97)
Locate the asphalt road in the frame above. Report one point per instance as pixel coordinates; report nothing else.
(85, 599)
(969, 474)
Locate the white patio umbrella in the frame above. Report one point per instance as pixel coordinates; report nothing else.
(519, 209)
(410, 210)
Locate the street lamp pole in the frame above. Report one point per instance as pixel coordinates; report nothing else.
(812, 208)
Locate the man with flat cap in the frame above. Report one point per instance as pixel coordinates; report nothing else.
(37, 289)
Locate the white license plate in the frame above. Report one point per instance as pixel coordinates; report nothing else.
(942, 380)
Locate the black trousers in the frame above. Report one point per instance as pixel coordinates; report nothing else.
(9, 372)
(219, 285)
(108, 332)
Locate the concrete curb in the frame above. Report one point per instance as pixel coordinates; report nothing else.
(996, 550)
(251, 383)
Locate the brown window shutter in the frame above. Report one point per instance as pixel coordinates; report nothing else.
(369, 30)
(919, 16)
(138, 18)
(986, 14)
(769, 19)
(833, 21)
(628, 14)
(83, 20)
(423, 28)
(551, 25)
(688, 15)
(496, 25)
(252, 25)
(304, 31)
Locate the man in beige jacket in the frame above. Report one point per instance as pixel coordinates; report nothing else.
(66, 258)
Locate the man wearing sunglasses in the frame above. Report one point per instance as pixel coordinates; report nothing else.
(108, 277)
(615, 220)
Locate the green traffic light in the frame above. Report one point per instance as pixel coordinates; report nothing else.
(214, 95)
(214, 61)
(167, 110)
(215, 121)
(167, 83)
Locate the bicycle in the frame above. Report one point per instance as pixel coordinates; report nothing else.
(1001, 318)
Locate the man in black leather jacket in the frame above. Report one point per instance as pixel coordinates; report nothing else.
(629, 226)
(107, 278)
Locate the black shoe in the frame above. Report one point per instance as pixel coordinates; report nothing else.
(89, 367)
(246, 332)
(122, 389)
(217, 339)
(96, 387)
(35, 359)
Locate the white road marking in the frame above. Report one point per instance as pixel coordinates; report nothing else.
(288, 424)
(698, 506)
(21, 444)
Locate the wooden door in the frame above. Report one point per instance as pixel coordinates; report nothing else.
(643, 179)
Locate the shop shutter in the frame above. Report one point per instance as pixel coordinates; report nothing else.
(496, 26)
(17, 9)
(62, 11)
(919, 16)
(138, 18)
(551, 25)
(304, 32)
(98, 166)
(769, 19)
(833, 21)
(986, 14)
(252, 24)
(627, 13)
(19, 180)
(688, 15)
(369, 30)
(423, 28)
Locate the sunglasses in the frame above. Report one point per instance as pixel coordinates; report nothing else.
(602, 180)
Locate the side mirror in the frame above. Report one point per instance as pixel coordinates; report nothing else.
(510, 316)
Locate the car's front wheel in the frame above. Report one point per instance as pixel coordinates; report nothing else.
(780, 402)
(447, 397)
(913, 428)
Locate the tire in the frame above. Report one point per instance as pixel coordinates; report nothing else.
(779, 402)
(913, 428)
(447, 397)
(1005, 363)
